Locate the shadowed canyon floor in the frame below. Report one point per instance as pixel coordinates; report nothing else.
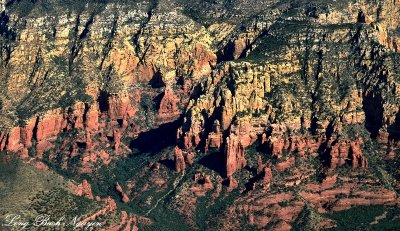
(201, 115)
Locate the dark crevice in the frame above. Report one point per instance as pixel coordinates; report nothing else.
(319, 66)
(44, 79)
(157, 80)
(227, 53)
(81, 145)
(170, 164)
(104, 105)
(373, 108)
(251, 183)
(86, 28)
(35, 129)
(312, 11)
(324, 149)
(135, 38)
(77, 44)
(74, 43)
(312, 91)
(214, 161)
(4, 30)
(120, 122)
(325, 153)
(329, 131)
(250, 45)
(85, 112)
(252, 170)
(141, 59)
(155, 140)
(370, 77)
(157, 100)
(108, 46)
(8, 50)
(394, 129)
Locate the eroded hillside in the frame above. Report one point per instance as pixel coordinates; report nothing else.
(170, 114)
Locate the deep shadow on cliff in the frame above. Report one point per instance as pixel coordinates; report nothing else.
(156, 139)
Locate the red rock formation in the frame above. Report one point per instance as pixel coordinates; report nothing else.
(120, 107)
(267, 175)
(45, 128)
(189, 158)
(92, 118)
(282, 226)
(42, 147)
(41, 166)
(285, 164)
(13, 140)
(232, 183)
(391, 155)
(192, 138)
(329, 182)
(180, 165)
(117, 140)
(168, 105)
(326, 198)
(124, 197)
(356, 156)
(339, 153)
(74, 150)
(234, 155)
(76, 118)
(88, 141)
(276, 145)
(50, 125)
(205, 58)
(27, 133)
(235, 48)
(83, 189)
(204, 182)
(110, 206)
(105, 157)
(135, 228)
(146, 72)
(214, 139)
(344, 151)
(299, 144)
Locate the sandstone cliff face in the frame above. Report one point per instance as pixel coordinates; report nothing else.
(162, 61)
(289, 95)
(105, 52)
(310, 88)
(126, 66)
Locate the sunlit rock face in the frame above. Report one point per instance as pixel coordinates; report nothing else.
(206, 114)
